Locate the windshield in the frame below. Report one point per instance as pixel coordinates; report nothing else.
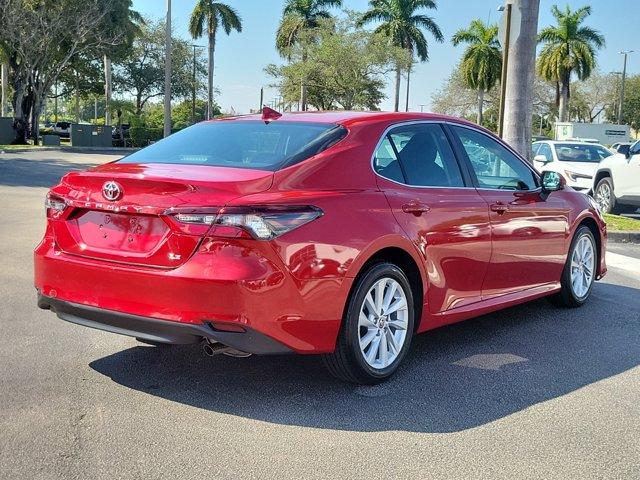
(241, 144)
(575, 152)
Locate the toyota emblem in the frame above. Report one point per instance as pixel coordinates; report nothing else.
(111, 191)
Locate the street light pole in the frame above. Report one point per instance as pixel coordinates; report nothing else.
(624, 75)
(167, 73)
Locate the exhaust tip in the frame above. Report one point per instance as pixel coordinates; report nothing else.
(212, 349)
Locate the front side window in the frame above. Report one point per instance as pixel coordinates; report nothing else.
(420, 155)
(635, 148)
(494, 165)
(241, 144)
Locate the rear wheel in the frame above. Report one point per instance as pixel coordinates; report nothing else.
(579, 271)
(377, 328)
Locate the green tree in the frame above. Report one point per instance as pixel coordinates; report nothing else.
(403, 24)
(630, 104)
(482, 60)
(141, 73)
(41, 38)
(330, 84)
(210, 15)
(299, 18)
(568, 47)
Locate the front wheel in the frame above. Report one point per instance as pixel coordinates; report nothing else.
(579, 271)
(377, 328)
(604, 196)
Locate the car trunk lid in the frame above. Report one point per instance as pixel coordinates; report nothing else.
(137, 227)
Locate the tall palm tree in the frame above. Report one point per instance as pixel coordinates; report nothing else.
(211, 15)
(482, 60)
(568, 47)
(403, 23)
(298, 17)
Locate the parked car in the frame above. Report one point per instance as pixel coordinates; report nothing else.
(342, 234)
(62, 129)
(616, 182)
(575, 161)
(621, 147)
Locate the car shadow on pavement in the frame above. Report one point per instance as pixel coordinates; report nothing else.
(17, 172)
(455, 378)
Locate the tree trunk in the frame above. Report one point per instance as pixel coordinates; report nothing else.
(520, 76)
(107, 90)
(4, 71)
(20, 123)
(480, 105)
(303, 86)
(406, 106)
(396, 103)
(212, 48)
(563, 108)
(77, 98)
(36, 110)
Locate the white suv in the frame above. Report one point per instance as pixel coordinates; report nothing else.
(577, 162)
(616, 182)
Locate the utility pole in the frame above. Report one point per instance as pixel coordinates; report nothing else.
(193, 98)
(624, 75)
(167, 72)
(422, 105)
(261, 99)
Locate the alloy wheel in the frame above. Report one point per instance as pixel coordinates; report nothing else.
(603, 197)
(582, 266)
(383, 322)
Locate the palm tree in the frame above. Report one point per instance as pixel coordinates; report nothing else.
(212, 14)
(568, 47)
(298, 17)
(482, 60)
(403, 24)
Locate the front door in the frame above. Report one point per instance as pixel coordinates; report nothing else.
(529, 229)
(626, 176)
(446, 219)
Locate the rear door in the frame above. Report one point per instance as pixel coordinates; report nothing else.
(529, 231)
(444, 216)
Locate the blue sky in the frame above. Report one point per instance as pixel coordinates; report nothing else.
(241, 58)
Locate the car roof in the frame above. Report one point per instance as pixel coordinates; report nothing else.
(568, 142)
(347, 118)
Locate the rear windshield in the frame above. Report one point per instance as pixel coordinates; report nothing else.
(571, 152)
(241, 144)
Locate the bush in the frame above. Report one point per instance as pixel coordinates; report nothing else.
(143, 136)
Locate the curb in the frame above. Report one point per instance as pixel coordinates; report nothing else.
(623, 237)
(72, 149)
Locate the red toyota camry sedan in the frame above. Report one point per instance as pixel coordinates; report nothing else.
(342, 234)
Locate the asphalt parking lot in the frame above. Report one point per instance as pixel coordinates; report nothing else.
(530, 392)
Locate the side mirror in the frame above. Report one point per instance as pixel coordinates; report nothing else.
(552, 181)
(541, 159)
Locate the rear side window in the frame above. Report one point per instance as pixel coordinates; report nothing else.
(242, 144)
(573, 152)
(419, 155)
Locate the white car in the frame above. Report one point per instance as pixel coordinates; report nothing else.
(577, 162)
(616, 182)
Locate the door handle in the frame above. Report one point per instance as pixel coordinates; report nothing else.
(416, 208)
(499, 207)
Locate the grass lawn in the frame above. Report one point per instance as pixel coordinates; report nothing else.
(8, 148)
(616, 222)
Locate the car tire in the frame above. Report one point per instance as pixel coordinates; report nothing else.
(605, 197)
(576, 281)
(373, 319)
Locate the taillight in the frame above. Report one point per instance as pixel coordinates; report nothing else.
(54, 205)
(261, 223)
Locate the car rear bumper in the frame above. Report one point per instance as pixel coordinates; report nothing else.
(163, 331)
(223, 283)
